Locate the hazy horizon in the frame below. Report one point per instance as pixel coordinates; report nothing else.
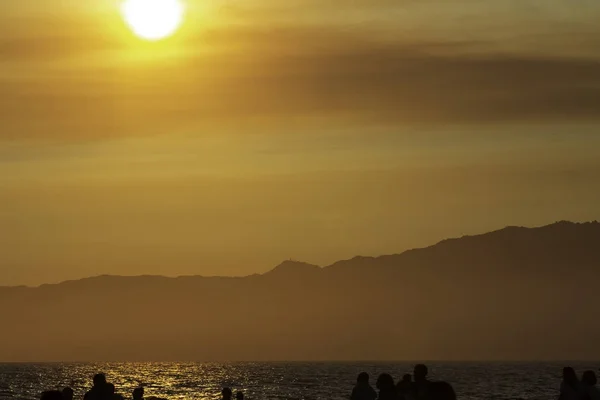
(486, 297)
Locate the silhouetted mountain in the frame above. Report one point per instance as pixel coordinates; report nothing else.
(291, 268)
(516, 293)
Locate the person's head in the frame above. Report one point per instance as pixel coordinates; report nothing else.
(138, 393)
(569, 376)
(385, 382)
(110, 388)
(239, 395)
(363, 378)
(227, 393)
(406, 378)
(420, 372)
(99, 380)
(67, 393)
(589, 378)
(52, 395)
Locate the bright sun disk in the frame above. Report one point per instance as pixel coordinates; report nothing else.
(153, 19)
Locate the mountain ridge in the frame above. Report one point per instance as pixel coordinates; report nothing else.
(511, 294)
(290, 266)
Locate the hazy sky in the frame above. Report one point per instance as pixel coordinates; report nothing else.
(267, 130)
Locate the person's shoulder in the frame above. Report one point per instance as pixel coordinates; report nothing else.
(373, 393)
(594, 393)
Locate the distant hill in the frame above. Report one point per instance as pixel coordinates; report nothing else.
(516, 293)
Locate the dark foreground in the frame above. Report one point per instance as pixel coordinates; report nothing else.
(471, 381)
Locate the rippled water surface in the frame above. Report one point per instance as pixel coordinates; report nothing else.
(472, 381)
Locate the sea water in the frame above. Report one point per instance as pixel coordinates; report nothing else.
(297, 380)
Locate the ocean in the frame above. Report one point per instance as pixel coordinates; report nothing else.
(308, 381)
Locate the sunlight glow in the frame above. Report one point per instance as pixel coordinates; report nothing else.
(153, 19)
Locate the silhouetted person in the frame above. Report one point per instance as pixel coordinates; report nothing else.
(570, 388)
(67, 393)
(51, 395)
(111, 393)
(138, 393)
(99, 390)
(387, 388)
(405, 387)
(239, 395)
(421, 383)
(227, 393)
(362, 390)
(440, 391)
(99, 380)
(420, 373)
(589, 390)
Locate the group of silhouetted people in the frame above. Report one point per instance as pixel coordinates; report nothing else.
(410, 387)
(406, 389)
(572, 388)
(415, 387)
(101, 390)
(227, 394)
(104, 390)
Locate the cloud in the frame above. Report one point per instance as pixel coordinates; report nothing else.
(266, 77)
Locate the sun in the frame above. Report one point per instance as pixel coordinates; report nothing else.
(153, 19)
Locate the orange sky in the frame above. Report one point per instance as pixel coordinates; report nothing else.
(307, 129)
